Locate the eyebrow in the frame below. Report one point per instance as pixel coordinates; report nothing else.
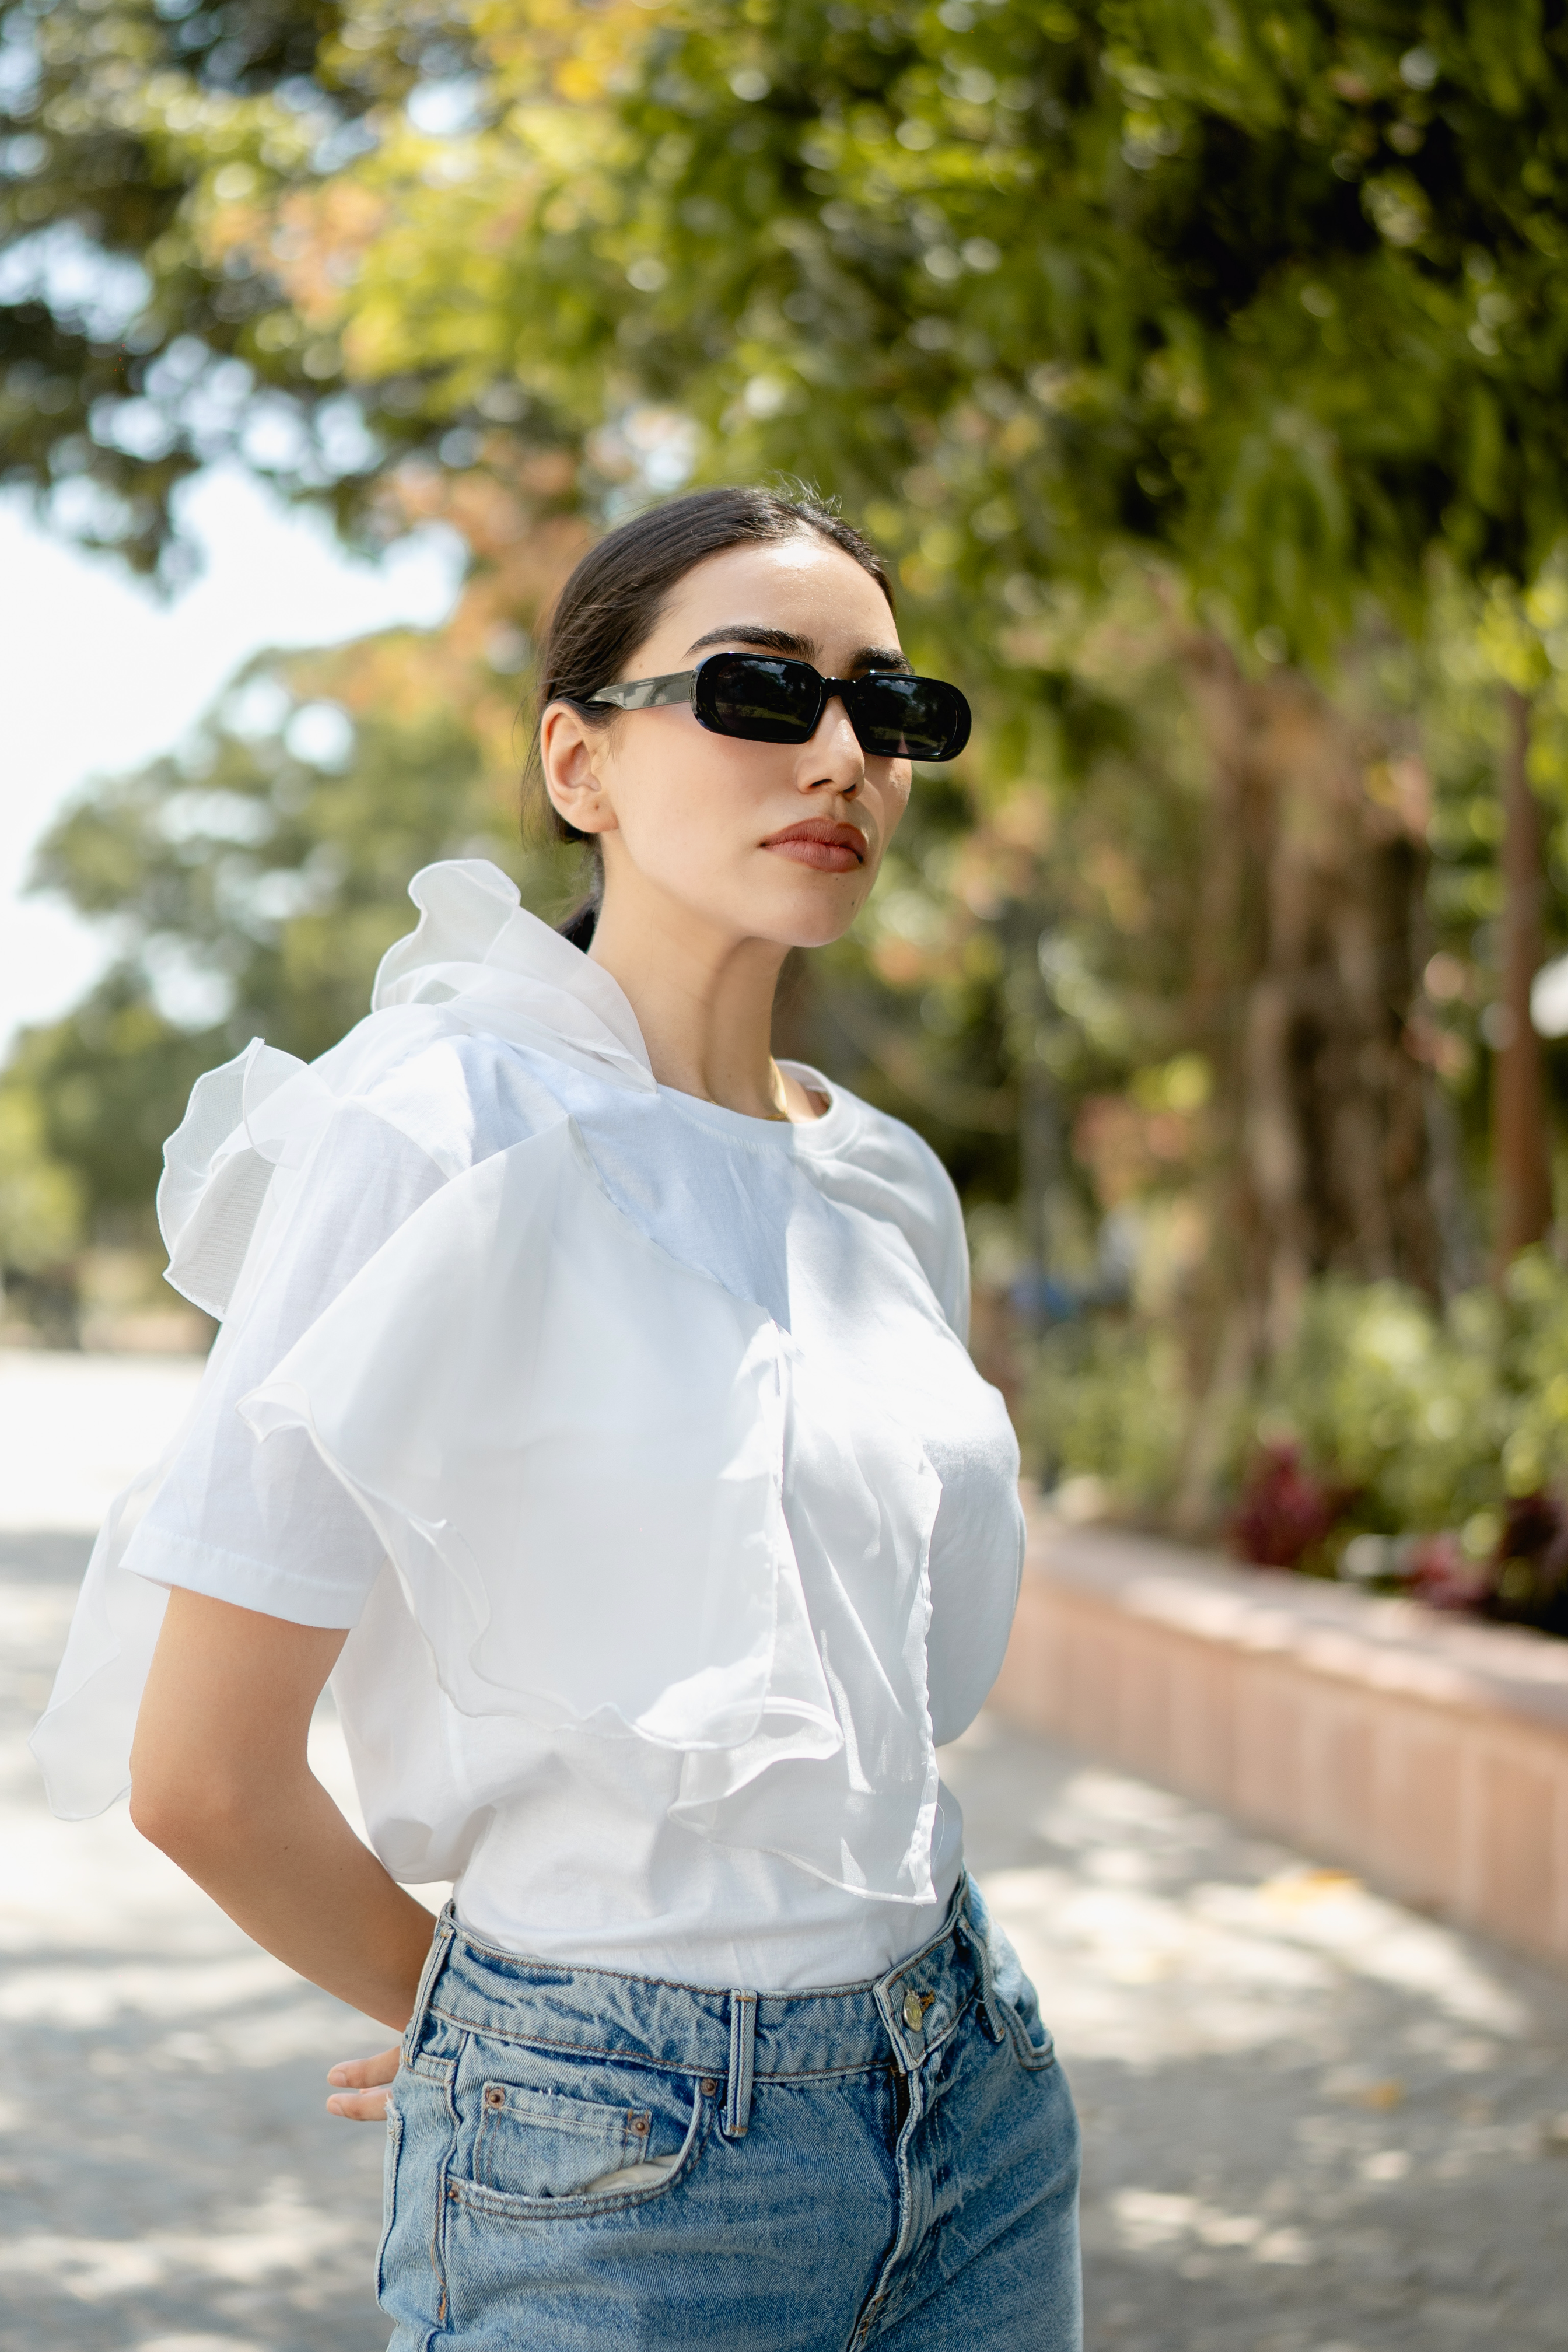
(795, 648)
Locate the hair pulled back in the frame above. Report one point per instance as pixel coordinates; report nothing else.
(615, 596)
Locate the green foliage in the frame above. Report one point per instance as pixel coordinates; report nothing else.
(1279, 300)
(104, 1081)
(1408, 1407)
(1126, 327)
(255, 879)
(40, 1199)
(1436, 1418)
(1535, 1451)
(1026, 286)
(121, 336)
(1281, 297)
(1430, 1418)
(1106, 1400)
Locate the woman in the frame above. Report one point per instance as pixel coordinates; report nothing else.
(592, 1405)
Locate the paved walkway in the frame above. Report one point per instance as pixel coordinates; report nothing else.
(1314, 2122)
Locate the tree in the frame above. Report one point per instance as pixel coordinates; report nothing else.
(1281, 297)
(40, 1199)
(130, 355)
(257, 877)
(1289, 308)
(1275, 302)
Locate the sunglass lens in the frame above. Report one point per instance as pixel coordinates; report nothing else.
(911, 718)
(759, 698)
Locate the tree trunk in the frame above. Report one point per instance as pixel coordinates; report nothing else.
(1521, 1160)
(1315, 971)
(1307, 974)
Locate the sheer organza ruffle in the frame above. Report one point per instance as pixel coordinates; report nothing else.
(573, 1447)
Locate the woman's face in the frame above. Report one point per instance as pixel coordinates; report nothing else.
(770, 841)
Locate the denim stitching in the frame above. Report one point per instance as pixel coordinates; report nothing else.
(642, 2058)
(389, 2192)
(501, 2205)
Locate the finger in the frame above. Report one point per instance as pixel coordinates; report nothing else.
(359, 2073)
(359, 2107)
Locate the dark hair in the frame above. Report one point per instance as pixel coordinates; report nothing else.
(615, 597)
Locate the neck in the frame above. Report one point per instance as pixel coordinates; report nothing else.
(703, 999)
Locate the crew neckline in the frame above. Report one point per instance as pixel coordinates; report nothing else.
(784, 1134)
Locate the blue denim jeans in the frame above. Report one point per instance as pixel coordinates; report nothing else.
(577, 2159)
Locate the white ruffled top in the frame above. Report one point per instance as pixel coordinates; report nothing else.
(634, 1440)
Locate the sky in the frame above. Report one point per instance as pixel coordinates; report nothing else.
(98, 674)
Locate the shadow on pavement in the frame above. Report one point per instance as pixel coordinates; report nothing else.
(1314, 2122)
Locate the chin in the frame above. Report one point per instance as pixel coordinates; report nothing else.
(814, 916)
(793, 909)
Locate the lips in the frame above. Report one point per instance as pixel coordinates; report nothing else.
(830, 848)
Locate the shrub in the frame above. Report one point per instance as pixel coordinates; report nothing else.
(1106, 1400)
(1388, 1398)
(1285, 1511)
(1407, 1446)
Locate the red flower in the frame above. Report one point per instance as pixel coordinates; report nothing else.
(1284, 1510)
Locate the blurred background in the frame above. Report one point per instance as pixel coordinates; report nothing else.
(1202, 372)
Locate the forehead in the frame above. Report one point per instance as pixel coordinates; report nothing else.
(804, 584)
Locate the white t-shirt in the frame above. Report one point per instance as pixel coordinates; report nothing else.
(634, 1440)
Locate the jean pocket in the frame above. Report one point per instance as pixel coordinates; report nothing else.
(581, 2141)
(552, 2144)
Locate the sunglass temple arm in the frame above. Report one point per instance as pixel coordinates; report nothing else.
(647, 693)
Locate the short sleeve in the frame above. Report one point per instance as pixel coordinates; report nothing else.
(267, 1525)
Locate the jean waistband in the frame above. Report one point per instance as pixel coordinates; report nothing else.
(897, 2020)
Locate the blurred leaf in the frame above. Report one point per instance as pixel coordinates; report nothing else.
(41, 1201)
(254, 890)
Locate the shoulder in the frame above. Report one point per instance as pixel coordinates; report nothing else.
(458, 1096)
(335, 1153)
(873, 1161)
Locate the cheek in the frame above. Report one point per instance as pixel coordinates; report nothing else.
(683, 805)
(887, 802)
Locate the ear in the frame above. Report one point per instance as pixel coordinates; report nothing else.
(572, 753)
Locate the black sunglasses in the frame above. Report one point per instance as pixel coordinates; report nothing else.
(763, 698)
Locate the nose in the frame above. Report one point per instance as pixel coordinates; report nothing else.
(832, 759)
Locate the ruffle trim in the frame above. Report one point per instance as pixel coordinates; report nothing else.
(477, 963)
(480, 954)
(573, 1448)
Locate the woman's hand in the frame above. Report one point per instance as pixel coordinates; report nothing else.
(360, 2094)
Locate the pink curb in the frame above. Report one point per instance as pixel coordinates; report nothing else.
(1429, 1754)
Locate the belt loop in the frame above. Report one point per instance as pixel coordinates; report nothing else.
(743, 2043)
(440, 1945)
(979, 1943)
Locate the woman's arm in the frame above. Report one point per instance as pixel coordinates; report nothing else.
(219, 1781)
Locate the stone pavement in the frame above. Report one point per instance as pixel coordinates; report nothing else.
(1314, 2122)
